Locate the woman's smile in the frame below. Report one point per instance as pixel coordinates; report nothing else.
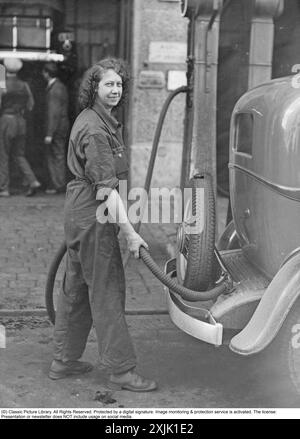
(110, 89)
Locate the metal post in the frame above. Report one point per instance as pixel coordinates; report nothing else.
(262, 40)
(188, 120)
(203, 148)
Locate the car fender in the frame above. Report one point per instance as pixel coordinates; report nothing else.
(271, 311)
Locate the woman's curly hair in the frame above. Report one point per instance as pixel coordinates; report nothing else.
(92, 77)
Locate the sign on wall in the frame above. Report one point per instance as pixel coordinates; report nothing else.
(151, 79)
(2, 337)
(176, 79)
(167, 52)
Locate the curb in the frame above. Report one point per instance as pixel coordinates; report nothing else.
(23, 312)
(43, 312)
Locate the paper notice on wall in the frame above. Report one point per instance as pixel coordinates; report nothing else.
(167, 52)
(2, 337)
(151, 79)
(176, 79)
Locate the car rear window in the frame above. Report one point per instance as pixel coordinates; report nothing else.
(244, 133)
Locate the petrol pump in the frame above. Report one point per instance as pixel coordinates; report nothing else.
(248, 279)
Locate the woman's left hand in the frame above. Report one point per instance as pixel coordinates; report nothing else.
(134, 242)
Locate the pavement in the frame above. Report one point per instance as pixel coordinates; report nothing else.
(190, 374)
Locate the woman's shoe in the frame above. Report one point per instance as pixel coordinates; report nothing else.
(60, 369)
(131, 381)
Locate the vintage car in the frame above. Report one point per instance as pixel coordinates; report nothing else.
(260, 249)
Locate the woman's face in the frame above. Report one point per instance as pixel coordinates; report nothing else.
(110, 89)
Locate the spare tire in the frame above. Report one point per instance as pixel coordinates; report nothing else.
(196, 263)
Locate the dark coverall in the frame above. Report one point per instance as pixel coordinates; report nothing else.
(15, 101)
(93, 290)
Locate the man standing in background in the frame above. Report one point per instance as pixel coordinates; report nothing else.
(57, 128)
(15, 101)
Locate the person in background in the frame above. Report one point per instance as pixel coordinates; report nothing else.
(15, 101)
(93, 290)
(57, 128)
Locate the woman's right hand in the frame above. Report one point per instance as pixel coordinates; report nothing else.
(134, 242)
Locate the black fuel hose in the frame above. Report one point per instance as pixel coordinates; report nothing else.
(157, 134)
(185, 293)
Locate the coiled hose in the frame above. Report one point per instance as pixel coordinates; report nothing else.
(185, 293)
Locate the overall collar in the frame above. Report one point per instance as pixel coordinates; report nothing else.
(108, 119)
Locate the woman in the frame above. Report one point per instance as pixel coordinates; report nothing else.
(94, 285)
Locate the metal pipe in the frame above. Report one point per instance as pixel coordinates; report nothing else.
(262, 40)
(188, 120)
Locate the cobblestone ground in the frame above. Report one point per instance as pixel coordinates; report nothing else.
(32, 231)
